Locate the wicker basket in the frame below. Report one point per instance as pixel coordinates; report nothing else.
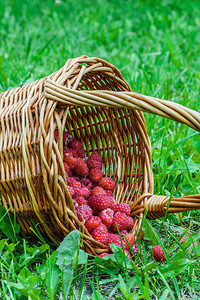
(90, 98)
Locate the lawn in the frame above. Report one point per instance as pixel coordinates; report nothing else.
(156, 46)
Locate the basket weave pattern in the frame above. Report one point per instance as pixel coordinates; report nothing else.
(89, 98)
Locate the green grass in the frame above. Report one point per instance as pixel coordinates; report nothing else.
(156, 47)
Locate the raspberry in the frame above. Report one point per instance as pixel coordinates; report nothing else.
(78, 147)
(73, 183)
(123, 232)
(99, 202)
(81, 168)
(70, 160)
(76, 186)
(129, 223)
(100, 234)
(67, 138)
(131, 240)
(120, 221)
(115, 239)
(109, 193)
(94, 161)
(81, 201)
(98, 191)
(92, 223)
(71, 190)
(122, 207)
(84, 212)
(106, 216)
(107, 183)
(85, 192)
(183, 240)
(66, 167)
(75, 177)
(95, 175)
(158, 253)
(70, 151)
(142, 235)
(135, 249)
(103, 254)
(77, 193)
(113, 202)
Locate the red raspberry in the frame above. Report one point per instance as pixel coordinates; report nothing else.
(92, 223)
(85, 192)
(76, 186)
(94, 161)
(135, 249)
(71, 190)
(106, 216)
(100, 234)
(73, 183)
(70, 160)
(158, 253)
(123, 232)
(107, 183)
(129, 223)
(109, 193)
(71, 151)
(77, 193)
(78, 147)
(67, 138)
(103, 254)
(84, 212)
(122, 207)
(99, 202)
(81, 168)
(75, 177)
(66, 167)
(120, 221)
(131, 240)
(81, 201)
(95, 175)
(113, 202)
(98, 191)
(142, 235)
(183, 240)
(115, 239)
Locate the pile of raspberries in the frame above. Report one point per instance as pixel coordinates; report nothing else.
(93, 198)
(106, 220)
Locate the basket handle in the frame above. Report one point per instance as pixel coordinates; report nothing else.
(156, 204)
